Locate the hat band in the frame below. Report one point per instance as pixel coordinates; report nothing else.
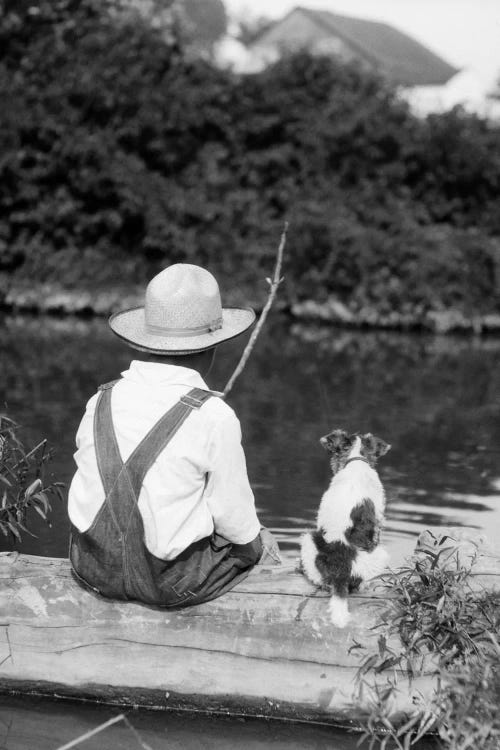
(214, 325)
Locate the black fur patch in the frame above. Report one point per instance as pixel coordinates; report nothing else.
(354, 583)
(365, 532)
(334, 561)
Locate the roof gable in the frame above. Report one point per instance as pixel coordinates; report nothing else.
(396, 54)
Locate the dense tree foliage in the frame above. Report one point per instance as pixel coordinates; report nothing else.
(120, 155)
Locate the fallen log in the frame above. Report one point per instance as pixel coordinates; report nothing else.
(266, 648)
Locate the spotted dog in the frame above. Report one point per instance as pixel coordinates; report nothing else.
(343, 551)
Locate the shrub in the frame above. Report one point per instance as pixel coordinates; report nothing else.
(22, 484)
(121, 154)
(434, 610)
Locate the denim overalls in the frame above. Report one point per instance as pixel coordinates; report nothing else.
(111, 557)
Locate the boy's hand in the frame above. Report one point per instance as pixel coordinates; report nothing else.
(271, 552)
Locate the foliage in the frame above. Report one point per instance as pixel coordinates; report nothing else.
(443, 623)
(121, 154)
(22, 481)
(199, 23)
(470, 717)
(207, 19)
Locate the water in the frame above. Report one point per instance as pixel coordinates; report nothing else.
(47, 725)
(435, 399)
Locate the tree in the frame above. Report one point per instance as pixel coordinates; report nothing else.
(206, 20)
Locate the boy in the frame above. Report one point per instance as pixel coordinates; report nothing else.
(161, 508)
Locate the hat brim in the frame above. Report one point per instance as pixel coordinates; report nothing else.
(130, 326)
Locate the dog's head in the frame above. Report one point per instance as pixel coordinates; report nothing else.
(341, 445)
(372, 448)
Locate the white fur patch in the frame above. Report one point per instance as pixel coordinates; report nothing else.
(370, 564)
(349, 487)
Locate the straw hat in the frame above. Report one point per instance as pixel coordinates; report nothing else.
(182, 314)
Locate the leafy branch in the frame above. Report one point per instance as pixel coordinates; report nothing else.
(444, 624)
(22, 484)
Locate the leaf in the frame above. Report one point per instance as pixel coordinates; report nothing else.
(444, 538)
(23, 528)
(58, 489)
(389, 662)
(355, 646)
(427, 723)
(387, 693)
(39, 511)
(409, 724)
(42, 497)
(440, 604)
(14, 530)
(382, 642)
(34, 486)
(369, 663)
(428, 552)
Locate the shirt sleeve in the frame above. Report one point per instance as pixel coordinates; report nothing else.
(228, 493)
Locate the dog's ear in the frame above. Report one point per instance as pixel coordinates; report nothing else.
(373, 447)
(338, 441)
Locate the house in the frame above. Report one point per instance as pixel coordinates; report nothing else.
(376, 45)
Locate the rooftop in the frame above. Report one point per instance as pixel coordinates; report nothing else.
(396, 54)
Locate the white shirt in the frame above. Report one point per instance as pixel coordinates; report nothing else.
(199, 482)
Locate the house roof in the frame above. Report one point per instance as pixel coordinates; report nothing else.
(398, 55)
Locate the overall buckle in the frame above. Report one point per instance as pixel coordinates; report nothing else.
(192, 401)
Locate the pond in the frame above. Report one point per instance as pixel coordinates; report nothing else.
(435, 399)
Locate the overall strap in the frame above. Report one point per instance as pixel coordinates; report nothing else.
(150, 447)
(109, 460)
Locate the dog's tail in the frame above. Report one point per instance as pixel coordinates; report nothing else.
(338, 611)
(308, 553)
(337, 608)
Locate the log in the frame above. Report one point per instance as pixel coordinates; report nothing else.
(266, 648)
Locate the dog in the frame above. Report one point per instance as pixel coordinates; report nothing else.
(343, 551)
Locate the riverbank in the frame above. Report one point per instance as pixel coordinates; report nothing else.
(394, 220)
(56, 299)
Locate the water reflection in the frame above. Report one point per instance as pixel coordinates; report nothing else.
(435, 399)
(45, 725)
